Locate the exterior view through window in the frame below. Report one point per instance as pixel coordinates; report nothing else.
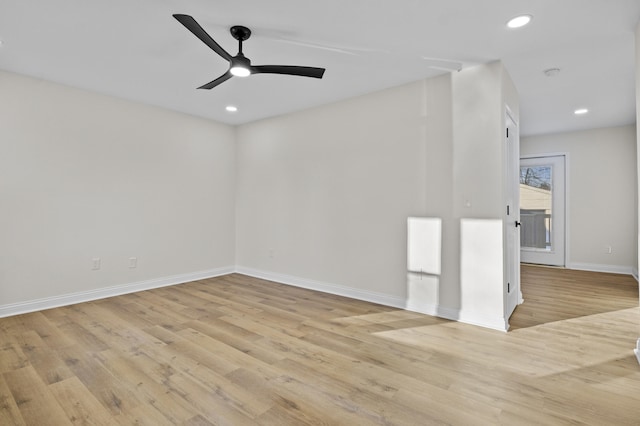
(536, 207)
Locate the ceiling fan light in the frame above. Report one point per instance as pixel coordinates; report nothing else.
(240, 71)
(240, 66)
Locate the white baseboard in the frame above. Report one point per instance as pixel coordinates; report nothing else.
(424, 308)
(494, 323)
(379, 298)
(339, 290)
(456, 315)
(594, 267)
(86, 296)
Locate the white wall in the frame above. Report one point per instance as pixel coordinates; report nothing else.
(84, 175)
(319, 198)
(602, 198)
(323, 195)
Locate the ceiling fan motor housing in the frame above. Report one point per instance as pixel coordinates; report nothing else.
(240, 65)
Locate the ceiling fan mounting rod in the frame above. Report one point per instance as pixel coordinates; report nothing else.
(241, 34)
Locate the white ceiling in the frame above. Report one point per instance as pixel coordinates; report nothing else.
(137, 50)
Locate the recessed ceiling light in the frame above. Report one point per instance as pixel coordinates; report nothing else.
(581, 111)
(231, 108)
(519, 21)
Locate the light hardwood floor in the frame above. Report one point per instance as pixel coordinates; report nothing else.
(237, 350)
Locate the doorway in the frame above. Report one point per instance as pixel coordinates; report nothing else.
(542, 210)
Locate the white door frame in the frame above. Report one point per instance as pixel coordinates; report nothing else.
(566, 196)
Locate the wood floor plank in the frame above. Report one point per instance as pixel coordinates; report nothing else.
(46, 362)
(240, 340)
(240, 350)
(113, 330)
(83, 337)
(49, 332)
(80, 406)
(14, 325)
(143, 415)
(34, 400)
(151, 392)
(11, 356)
(197, 420)
(158, 303)
(9, 411)
(214, 406)
(114, 395)
(241, 399)
(188, 356)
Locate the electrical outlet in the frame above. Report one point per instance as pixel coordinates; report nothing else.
(95, 263)
(133, 262)
(608, 249)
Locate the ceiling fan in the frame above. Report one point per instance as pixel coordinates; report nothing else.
(240, 65)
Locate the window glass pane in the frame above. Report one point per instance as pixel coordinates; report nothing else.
(536, 185)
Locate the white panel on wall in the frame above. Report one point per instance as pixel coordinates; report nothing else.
(424, 245)
(481, 272)
(423, 293)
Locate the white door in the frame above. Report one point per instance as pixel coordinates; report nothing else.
(542, 210)
(513, 295)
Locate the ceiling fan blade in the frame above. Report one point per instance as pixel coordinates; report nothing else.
(224, 77)
(289, 70)
(199, 32)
